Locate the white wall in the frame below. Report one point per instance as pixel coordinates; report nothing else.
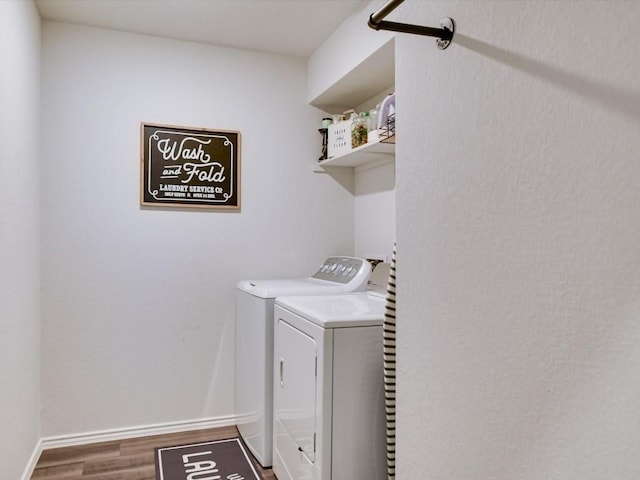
(518, 191)
(138, 302)
(374, 217)
(19, 235)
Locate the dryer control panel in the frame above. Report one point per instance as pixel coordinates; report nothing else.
(345, 270)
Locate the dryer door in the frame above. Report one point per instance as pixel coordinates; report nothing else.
(295, 386)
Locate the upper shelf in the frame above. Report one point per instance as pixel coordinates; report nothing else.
(367, 79)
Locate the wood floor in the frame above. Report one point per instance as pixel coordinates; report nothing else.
(130, 459)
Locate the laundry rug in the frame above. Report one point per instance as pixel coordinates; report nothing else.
(218, 460)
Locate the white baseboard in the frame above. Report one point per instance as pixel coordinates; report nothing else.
(31, 465)
(121, 434)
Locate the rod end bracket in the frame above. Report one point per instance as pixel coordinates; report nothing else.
(448, 25)
(372, 23)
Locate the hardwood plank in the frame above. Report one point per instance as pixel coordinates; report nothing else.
(57, 456)
(117, 464)
(143, 444)
(58, 472)
(143, 473)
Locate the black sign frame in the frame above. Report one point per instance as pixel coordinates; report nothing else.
(189, 167)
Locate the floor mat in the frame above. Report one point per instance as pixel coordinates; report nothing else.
(221, 459)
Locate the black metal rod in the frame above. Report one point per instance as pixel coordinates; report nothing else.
(441, 33)
(385, 10)
(377, 22)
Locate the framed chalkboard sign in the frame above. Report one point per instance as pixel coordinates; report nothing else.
(189, 167)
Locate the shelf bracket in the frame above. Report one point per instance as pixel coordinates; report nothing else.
(444, 33)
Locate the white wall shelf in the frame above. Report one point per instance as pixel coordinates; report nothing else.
(373, 154)
(369, 77)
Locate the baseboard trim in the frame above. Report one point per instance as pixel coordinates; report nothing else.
(33, 460)
(121, 434)
(138, 431)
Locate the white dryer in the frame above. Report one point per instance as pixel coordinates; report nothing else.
(329, 417)
(254, 342)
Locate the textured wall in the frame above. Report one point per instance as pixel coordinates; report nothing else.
(19, 235)
(518, 192)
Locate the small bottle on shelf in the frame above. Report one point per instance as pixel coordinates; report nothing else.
(373, 118)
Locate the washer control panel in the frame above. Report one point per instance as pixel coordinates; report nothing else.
(344, 270)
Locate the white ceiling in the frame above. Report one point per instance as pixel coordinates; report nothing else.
(290, 27)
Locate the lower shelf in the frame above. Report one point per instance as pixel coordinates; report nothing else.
(365, 154)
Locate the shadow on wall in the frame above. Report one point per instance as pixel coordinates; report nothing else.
(623, 101)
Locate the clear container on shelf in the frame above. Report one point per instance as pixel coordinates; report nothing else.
(359, 130)
(373, 118)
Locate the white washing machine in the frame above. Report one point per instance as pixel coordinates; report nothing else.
(254, 342)
(329, 417)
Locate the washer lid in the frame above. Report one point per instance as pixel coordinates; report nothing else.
(337, 311)
(292, 286)
(335, 275)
